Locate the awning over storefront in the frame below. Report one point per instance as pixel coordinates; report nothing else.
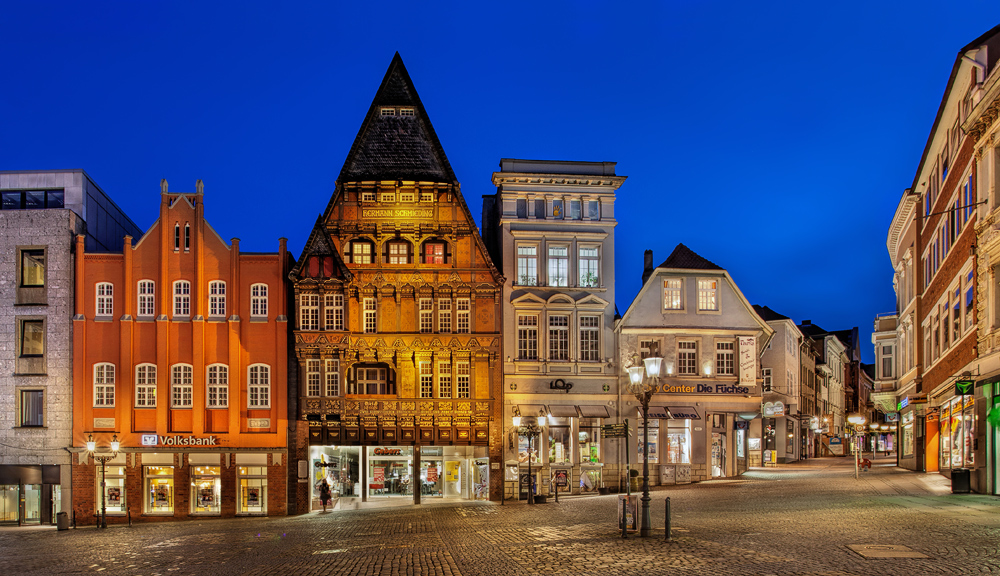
(594, 411)
(684, 412)
(531, 410)
(562, 411)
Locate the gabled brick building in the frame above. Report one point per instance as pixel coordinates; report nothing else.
(179, 352)
(397, 324)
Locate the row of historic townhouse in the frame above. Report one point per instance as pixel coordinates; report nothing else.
(937, 361)
(402, 356)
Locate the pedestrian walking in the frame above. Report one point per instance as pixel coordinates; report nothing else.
(324, 494)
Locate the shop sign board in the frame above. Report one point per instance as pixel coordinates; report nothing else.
(704, 389)
(892, 417)
(560, 477)
(615, 430)
(772, 409)
(964, 387)
(748, 360)
(156, 440)
(387, 452)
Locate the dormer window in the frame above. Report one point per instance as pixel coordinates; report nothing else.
(406, 111)
(388, 111)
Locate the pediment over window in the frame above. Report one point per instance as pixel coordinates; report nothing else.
(528, 299)
(592, 301)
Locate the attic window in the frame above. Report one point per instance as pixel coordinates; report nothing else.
(426, 196)
(368, 196)
(406, 196)
(406, 111)
(388, 111)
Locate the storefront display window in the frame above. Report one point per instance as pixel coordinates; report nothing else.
(678, 449)
(159, 489)
(590, 479)
(390, 471)
(481, 479)
(560, 441)
(253, 490)
(114, 490)
(431, 472)
(590, 440)
(653, 439)
(907, 431)
(957, 434)
(522, 450)
(945, 435)
(339, 467)
(206, 489)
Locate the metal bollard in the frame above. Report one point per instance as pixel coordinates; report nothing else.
(667, 527)
(625, 518)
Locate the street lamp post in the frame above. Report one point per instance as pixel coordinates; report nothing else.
(103, 459)
(859, 429)
(643, 392)
(531, 428)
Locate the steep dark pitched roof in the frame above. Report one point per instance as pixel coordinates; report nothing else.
(685, 258)
(767, 314)
(397, 147)
(869, 369)
(812, 330)
(320, 244)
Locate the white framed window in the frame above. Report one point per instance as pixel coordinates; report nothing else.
(558, 266)
(887, 364)
(182, 298)
(333, 311)
(388, 111)
(258, 300)
(527, 337)
(147, 298)
(406, 111)
(145, 386)
(333, 377)
(387, 197)
(673, 294)
(768, 381)
(308, 311)
(361, 252)
(687, 358)
(463, 380)
(104, 385)
(444, 379)
(259, 386)
(558, 337)
(367, 195)
(371, 380)
(105, 299)
(590, 338)
(589, 266)
(527, 265)
(218, 386)
(312, 378)
(399, 252)
(217, 298)
(426, 315)
(463, 306)
(406, 196)
(434, 252)
(426, 380)
(725, 358)
(444, 315)
(181, 386)
(707, 294)
(370, 324)
(426, 196)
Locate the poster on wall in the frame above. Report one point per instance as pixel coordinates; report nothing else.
(206, 498)
(114, 496)
(162, 496)
(748, 361)
(253, 496)
(432, 474)
(560, 477)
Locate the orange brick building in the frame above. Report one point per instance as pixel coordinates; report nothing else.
(180, 353)
(397, 325)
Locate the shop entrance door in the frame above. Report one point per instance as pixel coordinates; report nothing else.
(718, 455)
(32, 504)
(9, 503)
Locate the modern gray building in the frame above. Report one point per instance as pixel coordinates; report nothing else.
(550, 227)
(40, 214)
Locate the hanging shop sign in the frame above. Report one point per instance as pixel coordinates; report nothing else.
(892, 417)
(964, 387)
(156, 440)
(748, 360)
(772, 409)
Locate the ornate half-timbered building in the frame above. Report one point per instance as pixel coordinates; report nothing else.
(397, 324)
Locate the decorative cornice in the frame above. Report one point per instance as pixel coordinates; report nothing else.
(500, 178)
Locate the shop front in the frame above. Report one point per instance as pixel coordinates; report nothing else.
(30, 494)
(397, 473)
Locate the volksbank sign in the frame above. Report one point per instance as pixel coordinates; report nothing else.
(154, 440)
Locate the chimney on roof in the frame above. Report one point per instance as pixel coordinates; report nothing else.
(806, 322)
(647, 265)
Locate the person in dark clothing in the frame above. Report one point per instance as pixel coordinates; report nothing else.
(324, 494)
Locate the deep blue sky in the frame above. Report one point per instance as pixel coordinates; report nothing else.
(773, 138)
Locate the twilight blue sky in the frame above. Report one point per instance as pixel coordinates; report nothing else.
(773, 138)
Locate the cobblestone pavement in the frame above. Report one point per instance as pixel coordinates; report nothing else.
(794, 519)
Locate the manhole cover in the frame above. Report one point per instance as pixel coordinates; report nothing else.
(885, 551)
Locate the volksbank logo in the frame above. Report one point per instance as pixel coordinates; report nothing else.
(154, 440)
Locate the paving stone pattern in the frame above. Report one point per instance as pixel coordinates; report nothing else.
(794, 519)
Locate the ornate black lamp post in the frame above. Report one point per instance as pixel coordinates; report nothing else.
(530, 427)
(103, 459)
(643, 391)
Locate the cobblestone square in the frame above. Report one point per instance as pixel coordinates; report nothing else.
(793, 519)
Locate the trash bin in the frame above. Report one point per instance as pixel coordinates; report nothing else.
(62, 521)
(960, 481)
